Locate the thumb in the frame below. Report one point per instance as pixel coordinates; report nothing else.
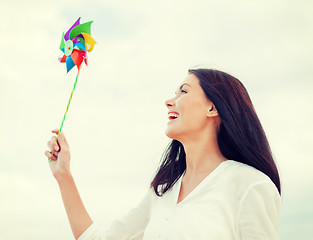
(62, 140)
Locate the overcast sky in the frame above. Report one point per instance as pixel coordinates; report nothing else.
(116, 121)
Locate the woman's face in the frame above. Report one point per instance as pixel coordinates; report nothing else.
(188, 110)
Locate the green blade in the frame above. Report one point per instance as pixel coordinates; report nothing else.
(62, 44)
(82, 28)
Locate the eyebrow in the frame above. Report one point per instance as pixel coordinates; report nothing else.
(181, 86)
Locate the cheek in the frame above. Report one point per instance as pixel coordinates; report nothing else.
(192, 112)
(195, 119)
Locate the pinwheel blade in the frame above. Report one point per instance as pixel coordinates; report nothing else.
(63, 59)
(67, 34)
(77, 58)
(89, 42)
(80, 38)
(69, 63)
(76, 40)
(80, 46)
(84, 55)
(82, 28)
(62, 44)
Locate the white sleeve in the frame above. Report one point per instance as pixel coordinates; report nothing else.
(259, 212)
(130, 226)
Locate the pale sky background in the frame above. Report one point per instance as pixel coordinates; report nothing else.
(116, 122)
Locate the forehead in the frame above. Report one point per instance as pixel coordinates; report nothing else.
(195, 87)
(192, 80)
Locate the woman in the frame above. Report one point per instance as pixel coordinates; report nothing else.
(217, 178)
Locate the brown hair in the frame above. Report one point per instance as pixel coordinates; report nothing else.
(240, 137)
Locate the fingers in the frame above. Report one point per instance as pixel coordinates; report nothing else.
(53, 145)
(56, 144)
(50, 156)
(61, 140)
(52, 151)
(54, 148)
(54, 140)
(55, 131)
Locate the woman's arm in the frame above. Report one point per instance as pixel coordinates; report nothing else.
(76, 212)
(59, 161)
(130, 226)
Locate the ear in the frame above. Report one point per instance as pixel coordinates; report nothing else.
(212, 112)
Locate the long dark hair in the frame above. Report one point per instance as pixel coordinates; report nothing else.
(240, 135)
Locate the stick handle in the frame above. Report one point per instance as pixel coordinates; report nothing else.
(68, 105)
(69, 102)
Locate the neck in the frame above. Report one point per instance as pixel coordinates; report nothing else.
(202, 155)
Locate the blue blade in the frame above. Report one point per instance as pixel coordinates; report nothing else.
(80, 46)
(69, 63)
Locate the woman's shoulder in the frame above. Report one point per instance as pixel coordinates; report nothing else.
(243, 182)
(245, 176)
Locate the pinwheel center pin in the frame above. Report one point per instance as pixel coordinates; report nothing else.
(68, 47)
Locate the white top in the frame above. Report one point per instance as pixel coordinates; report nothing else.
(235, 201)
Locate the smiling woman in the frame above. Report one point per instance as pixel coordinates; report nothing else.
(231, 119)
(217, 178)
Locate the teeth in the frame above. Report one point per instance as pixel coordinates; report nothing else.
(172, 115)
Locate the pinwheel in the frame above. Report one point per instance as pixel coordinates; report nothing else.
(75, 44)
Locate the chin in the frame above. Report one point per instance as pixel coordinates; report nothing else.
(172, 134)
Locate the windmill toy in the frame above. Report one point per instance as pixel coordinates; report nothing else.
(75, 44)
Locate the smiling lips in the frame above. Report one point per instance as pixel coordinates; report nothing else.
(172, 115)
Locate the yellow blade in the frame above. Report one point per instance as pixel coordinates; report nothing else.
(89, 42)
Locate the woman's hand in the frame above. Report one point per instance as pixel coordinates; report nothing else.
(59, 156)
(60, 167)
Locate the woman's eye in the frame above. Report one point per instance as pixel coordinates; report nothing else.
(181, 92)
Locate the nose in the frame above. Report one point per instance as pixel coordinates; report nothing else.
(170, 102)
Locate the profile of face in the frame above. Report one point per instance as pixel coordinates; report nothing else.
(190, 112)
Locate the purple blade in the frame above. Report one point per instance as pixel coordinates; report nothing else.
(80, 35)
(67, 34)
(75, 40)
